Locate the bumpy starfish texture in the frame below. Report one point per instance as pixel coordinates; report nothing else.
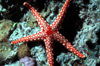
(49, 33)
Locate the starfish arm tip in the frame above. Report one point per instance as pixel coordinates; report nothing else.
(83, 56)
(24, 3)
(27, 5)
(12, 42)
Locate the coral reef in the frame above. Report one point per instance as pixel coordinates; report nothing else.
(63, 58)
(11, 9)
(6, 51)
(22, 30)
(54, 10)
(47, 13)
(39, 53)
(31, 21)
(86, 40)
(5, 27)
(67, 59)
(8, 54)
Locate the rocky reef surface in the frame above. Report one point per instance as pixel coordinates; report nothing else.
(81, 27)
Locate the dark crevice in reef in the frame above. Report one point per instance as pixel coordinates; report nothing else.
(98, 35)
(86, 1)
(16, 9)
(90, 45)
(98, 64)
(13, 8)
(78, 63)
(72, 22)
(12, 60)
(40, 4)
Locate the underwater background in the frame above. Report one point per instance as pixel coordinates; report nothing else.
(81, 26)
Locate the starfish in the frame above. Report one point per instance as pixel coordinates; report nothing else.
(49, 33)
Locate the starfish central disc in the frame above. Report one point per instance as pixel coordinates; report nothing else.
(49, 31)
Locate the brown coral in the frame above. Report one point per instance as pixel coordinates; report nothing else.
(23, 51)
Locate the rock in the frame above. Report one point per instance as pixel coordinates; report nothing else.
(5, 26)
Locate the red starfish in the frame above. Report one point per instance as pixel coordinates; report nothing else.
(49, 33)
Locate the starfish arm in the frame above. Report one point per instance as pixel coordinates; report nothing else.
(42, 23)
(49, 44)
(67, 44)
(37, 36)
(61, 15)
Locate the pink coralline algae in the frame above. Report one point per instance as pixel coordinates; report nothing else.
(28, 61)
